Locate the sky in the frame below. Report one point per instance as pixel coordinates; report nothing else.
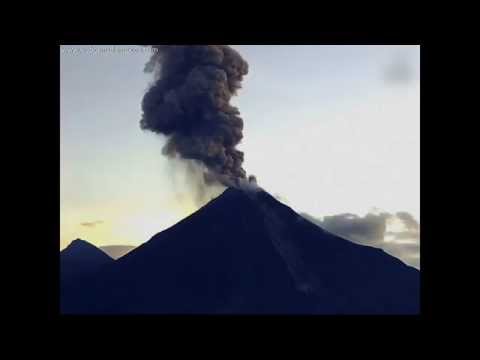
(328, 129)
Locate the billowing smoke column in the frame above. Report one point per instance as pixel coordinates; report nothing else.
(189, 102)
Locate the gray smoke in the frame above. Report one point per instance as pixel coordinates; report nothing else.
(189, 102)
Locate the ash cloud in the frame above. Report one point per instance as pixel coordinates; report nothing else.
(189, 103)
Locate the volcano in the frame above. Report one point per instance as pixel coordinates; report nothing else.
(247, 253)
(81, 258)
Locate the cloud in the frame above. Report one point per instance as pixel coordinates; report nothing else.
(92, 223)
(366, 230)
(403, 235)
(408, 220)
(373, 230)
(399, 71)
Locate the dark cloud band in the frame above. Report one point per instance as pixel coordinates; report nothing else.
(92, 223)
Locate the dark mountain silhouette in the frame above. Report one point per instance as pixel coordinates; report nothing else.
(247, 253)
(117, 251)
(81, 258)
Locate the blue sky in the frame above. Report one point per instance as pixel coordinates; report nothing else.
(323, 129)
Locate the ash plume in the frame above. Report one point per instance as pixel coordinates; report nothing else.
(189, 102)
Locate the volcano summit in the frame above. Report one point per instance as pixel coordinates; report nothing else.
(247, 253)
